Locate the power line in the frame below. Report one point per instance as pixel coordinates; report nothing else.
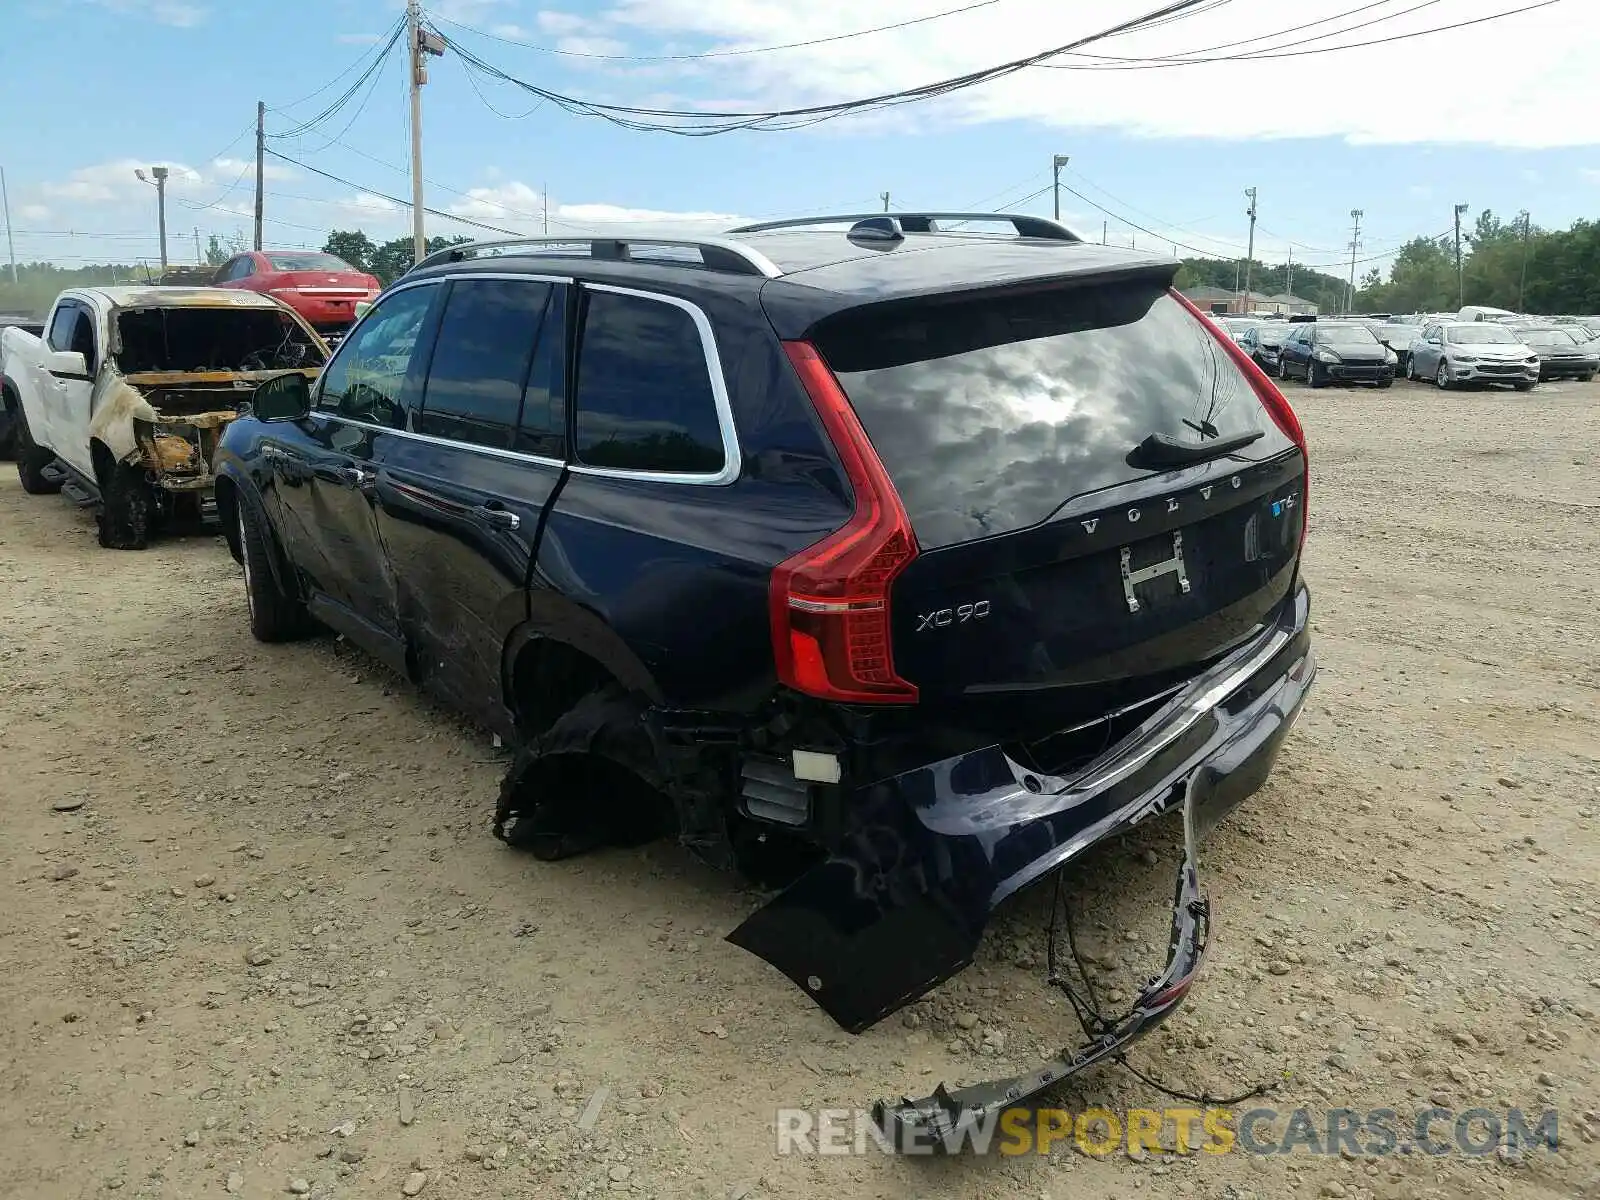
(333, 108)
(1177, 57)
(449, 216)
(1135, 225)
(1155, 64)
(732, 52)
(700, 123)
(398, 25)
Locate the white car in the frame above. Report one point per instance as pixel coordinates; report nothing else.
(122, 402)
(1452, 353)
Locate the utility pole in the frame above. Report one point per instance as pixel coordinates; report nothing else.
(199, 259)
(261, 161)
(1104, 225)
(1288, 283)
(1056, 163)
(1522, 283)
(544, 209)
(1461, 287)
(884, 196)
(421, 43)
(1250, 249)
(160, 174)
(11, 246)
(1355, 244)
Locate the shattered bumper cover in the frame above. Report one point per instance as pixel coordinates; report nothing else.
(902, 904)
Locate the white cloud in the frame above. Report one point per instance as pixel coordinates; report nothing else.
(165, 12)
(595, 216)
(366, 204)
(34, 212)
(1541, 61)
(117, 181)
(500, 202)
(229, 169)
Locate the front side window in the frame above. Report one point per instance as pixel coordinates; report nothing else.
(363, 381)
(488, 337)
(644, 394)
(61, 322)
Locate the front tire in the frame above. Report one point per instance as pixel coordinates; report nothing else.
(1383, 383)
(1312, 378)
(1442, 377)
(127, 509)
(32, 459)
(275, 616)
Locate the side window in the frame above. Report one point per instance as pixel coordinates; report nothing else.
(244, 268)
(364, 379)
(488, 338)
(644, 397)
(61, 321)
(543, 427)
(83, 336)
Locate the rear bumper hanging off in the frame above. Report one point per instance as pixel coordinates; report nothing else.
(901, 904)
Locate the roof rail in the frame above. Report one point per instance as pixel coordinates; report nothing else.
(718, 254)
(927, 222)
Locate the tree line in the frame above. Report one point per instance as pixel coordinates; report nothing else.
(1512, 264)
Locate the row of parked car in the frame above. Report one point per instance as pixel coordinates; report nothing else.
(1447, 349)
(896, 566)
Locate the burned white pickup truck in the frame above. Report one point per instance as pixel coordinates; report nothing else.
(124, 398)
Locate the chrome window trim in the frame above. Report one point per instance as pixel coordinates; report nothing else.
(732, 465)
(449, 443)
(732, 461)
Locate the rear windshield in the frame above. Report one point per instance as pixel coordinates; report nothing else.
(307, 261)
(991, 414)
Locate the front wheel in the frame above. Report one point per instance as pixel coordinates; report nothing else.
(127, 509)
(1442, 377)
(1313, 378)
(32, 459)
(275, 615)
(1586, 377)
(1383, 383)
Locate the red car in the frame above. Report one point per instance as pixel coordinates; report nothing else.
(321, 288)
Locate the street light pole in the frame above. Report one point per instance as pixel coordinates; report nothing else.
(161, 210)
(1355, 243)
(1056, 164)
(1250, 251)
(1461, 287)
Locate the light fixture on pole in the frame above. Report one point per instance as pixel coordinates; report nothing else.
(1056, 164)
(159, 182)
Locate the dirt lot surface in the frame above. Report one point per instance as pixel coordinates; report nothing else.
(274, 949)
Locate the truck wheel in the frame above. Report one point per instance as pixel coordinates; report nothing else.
(127, 507)
(31, 462)
(275, 616)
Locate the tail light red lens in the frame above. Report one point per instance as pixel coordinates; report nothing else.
(1272, 399)
(829, 604)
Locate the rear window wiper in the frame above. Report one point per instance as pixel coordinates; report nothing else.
(1159, 450)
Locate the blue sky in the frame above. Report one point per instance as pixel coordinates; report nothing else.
(1499, 115)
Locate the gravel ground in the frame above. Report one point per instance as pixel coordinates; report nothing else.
(273, 949)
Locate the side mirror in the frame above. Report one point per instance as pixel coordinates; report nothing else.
(282, 398)
(66, 362)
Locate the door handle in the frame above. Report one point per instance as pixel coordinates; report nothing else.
(358, 476)
(502, 517)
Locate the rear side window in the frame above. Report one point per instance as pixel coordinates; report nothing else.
(487, 339)
(61, 326)
(991, 414)
(644, 396)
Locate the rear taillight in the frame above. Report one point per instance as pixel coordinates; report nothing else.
(829, 604)
(1272, 399)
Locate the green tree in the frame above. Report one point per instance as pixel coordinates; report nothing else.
(216, 252)
(353, 246)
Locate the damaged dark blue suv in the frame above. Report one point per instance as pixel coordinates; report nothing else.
(901, 561)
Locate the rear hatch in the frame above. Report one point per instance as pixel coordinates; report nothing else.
(1064, 572)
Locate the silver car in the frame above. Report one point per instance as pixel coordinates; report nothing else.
(1452, 353)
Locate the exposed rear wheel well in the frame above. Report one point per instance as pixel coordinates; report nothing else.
(546, 679)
